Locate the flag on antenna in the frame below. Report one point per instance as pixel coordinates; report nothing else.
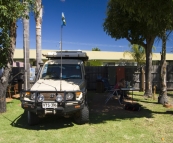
(63, 20)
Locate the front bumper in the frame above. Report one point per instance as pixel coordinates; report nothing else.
(63, 108)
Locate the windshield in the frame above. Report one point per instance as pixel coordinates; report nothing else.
(69, 71)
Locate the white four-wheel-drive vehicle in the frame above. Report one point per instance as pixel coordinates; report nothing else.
(60, 88)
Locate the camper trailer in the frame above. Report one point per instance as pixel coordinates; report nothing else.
(59, 88)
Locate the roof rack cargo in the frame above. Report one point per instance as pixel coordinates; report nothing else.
(67, 55)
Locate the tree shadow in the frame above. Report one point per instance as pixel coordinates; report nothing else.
(101, 113)
(170, 94)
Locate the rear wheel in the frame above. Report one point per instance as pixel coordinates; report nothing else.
(32, 118)
(82, 116)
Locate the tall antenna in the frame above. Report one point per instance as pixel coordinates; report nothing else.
(63, 24)
(61, 61)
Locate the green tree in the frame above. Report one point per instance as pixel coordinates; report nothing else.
(10, 11)
(140, 22)
(95, 63)
(96, 49)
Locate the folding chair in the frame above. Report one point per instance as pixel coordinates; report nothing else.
(107, 86)
(113, 93)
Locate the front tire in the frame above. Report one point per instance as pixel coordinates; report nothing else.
(32, 119)
(82, 116)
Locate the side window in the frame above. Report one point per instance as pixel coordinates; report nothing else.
(44, 71)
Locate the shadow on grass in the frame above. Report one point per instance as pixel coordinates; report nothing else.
(170, 94)
(117, 112)
(99, 113)
(47, 123)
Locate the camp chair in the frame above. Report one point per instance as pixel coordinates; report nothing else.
(111, 94)
(107, 86)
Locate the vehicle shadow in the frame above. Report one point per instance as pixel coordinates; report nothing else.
(47, 123)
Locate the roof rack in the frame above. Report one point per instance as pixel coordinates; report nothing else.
(67, 55)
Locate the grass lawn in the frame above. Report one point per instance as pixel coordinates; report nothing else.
(109, 123)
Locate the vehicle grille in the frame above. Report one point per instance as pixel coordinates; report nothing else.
(49, 97)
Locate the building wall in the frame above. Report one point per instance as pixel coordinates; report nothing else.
(106, 58)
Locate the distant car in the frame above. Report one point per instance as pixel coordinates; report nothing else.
(60, 88)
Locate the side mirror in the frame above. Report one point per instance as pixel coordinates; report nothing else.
(41, 64)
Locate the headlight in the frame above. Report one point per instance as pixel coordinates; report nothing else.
(32, 96)
(69, 96)
(59, 98)
(40, 98)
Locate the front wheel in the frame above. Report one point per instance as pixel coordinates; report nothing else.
(32, 118)
(82, 116)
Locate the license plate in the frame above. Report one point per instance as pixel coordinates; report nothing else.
(49, 105)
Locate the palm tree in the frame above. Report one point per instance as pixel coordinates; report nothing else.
(26, 48)
(38, 19)
(137, 53)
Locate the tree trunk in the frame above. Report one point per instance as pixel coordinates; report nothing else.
(142, 79)
(148, 77)
(38, 19)
(2, 98)
(163, 90)
(5, 76)
(26, 51)
(3, 88)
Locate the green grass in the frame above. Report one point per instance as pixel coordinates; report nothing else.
(152, 124)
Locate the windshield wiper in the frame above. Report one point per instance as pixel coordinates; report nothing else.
(66, 77)
(56, 77)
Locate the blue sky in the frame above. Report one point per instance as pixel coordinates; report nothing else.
(84, 29)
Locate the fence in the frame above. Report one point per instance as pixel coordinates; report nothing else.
(110, 73)
(131, 73)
